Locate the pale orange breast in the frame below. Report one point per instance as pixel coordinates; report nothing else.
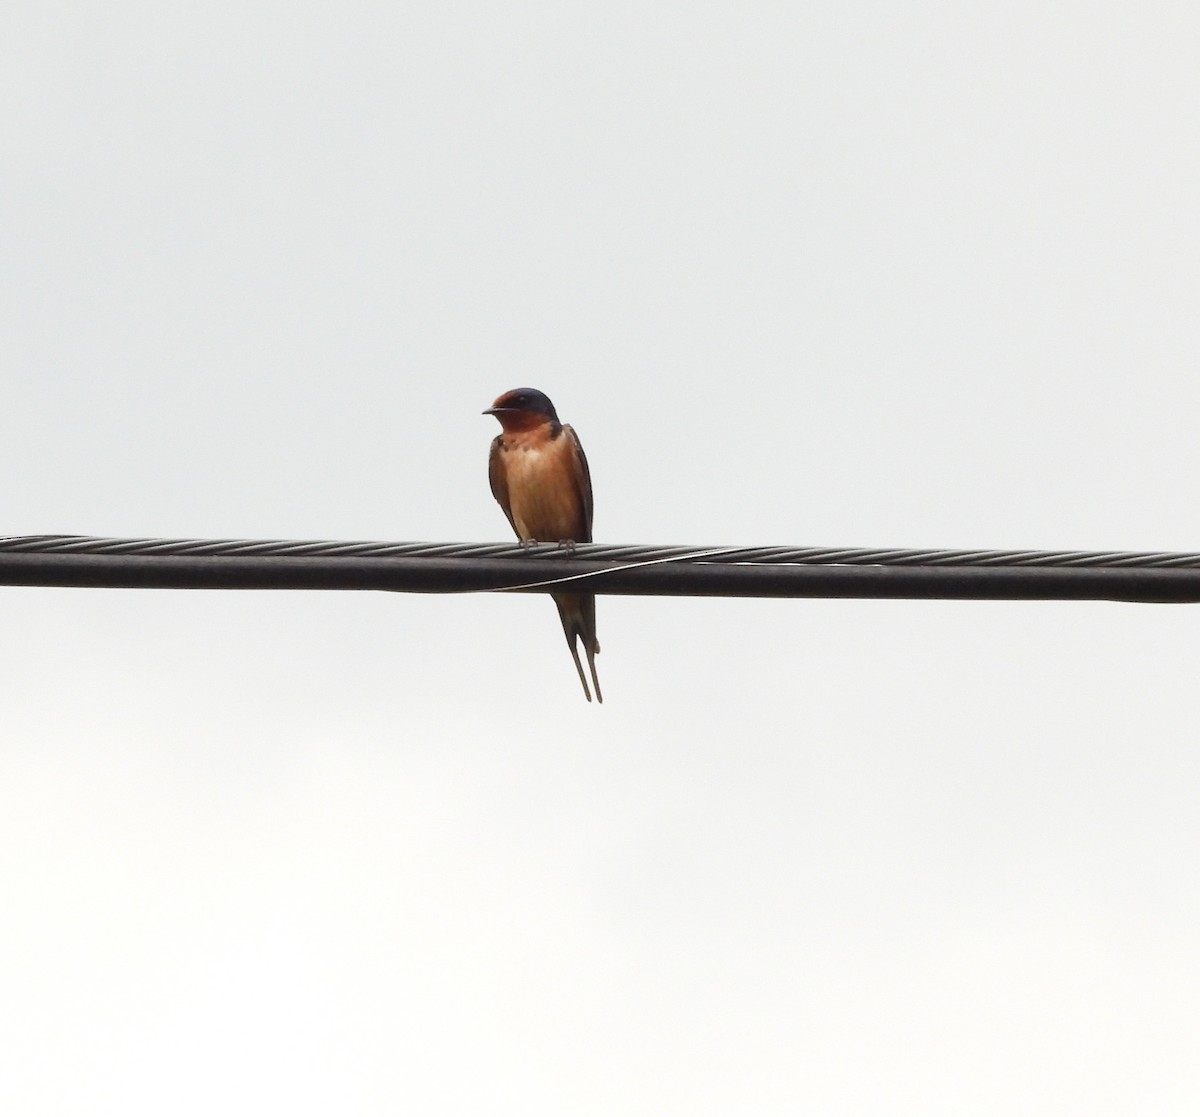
(542, 490)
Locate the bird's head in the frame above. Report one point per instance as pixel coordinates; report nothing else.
(523, 409)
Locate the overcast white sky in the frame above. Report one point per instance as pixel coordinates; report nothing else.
(916, 275)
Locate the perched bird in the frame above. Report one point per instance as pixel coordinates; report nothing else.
(540, 478)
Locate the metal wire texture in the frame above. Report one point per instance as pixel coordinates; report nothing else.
(69, 560)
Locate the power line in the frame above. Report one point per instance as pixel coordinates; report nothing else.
(82, 561)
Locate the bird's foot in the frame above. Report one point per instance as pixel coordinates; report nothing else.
(567, 545)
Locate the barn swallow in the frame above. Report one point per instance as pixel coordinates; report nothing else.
(540, 478)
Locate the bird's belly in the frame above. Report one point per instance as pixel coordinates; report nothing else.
(543, 498)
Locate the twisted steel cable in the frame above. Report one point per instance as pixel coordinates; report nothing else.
(70, 560)
(857, 556)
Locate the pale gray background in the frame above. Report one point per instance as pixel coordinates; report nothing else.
(887, 275)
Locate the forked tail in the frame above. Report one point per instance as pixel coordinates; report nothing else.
(577, 611)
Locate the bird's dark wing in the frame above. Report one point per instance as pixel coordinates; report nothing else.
(498, 476)
(583, 483)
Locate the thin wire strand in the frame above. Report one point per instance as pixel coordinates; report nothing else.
(693, 556)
